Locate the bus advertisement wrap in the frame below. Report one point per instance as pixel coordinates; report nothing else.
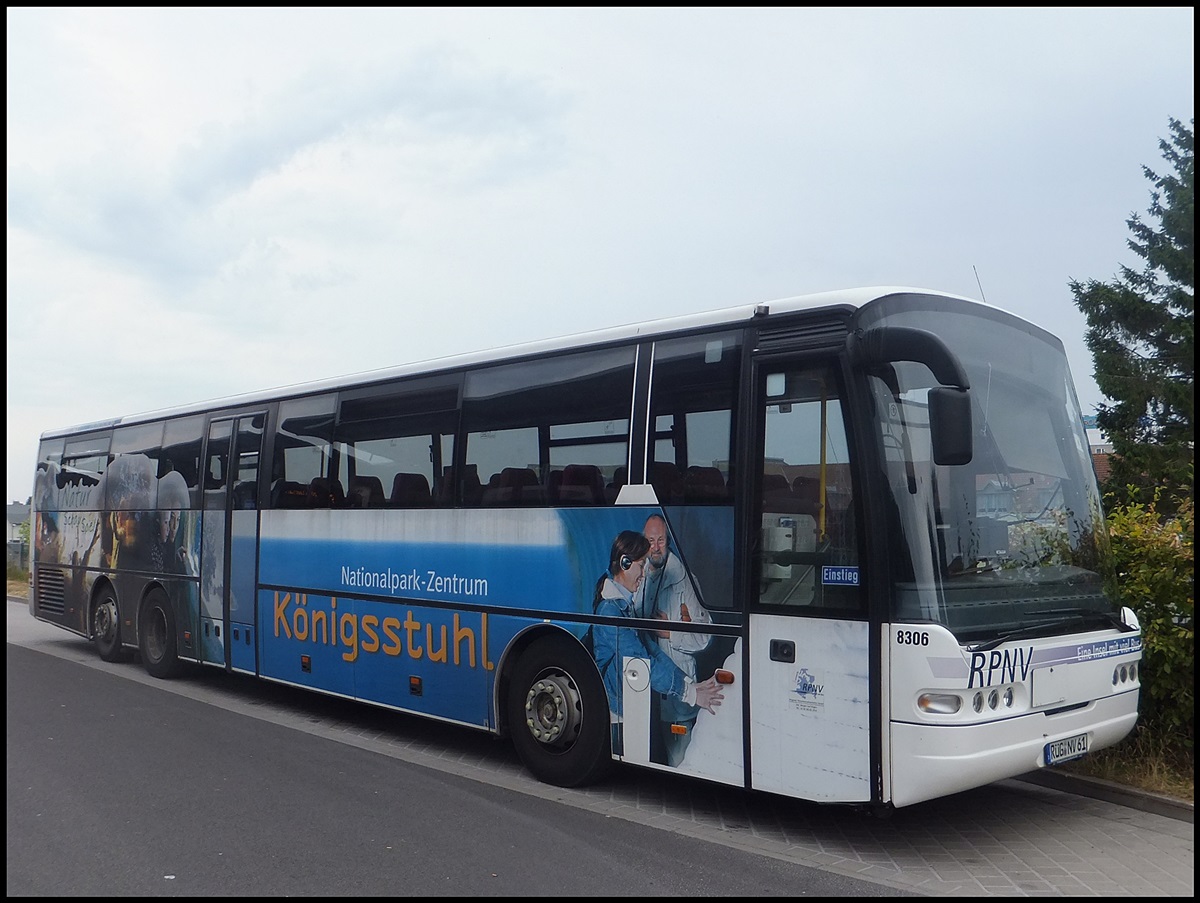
(845, 547)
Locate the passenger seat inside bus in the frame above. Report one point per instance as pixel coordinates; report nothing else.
(245, 495)
(667, 482)
(704, 484)
(365, 492)
(325, 493)
(806, 493)
(289, 494)
(411, 490)
(472, 488)
(514, 486)
(776, 492)
(582, 484)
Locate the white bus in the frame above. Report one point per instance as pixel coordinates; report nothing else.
(846, 547)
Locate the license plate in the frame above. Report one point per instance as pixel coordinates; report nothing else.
(1066, 749)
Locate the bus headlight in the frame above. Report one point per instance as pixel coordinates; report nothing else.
(939, 703)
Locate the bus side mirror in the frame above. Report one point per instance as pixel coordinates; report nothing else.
(950, 425)
(949, 404)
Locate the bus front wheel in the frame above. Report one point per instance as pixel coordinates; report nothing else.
(156, 636)
(558, 714)
(106, 627)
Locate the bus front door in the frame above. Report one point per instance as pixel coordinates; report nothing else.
(229, 542)
(809, 684)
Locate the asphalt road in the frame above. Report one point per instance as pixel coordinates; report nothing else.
(307, 811)
(116, 787)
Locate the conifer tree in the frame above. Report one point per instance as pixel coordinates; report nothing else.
(1141, 332)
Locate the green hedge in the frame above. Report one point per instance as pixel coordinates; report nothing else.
(1154, 575)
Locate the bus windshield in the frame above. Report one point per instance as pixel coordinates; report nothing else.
(1012, 542)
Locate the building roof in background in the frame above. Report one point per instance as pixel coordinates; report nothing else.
(1102, 464)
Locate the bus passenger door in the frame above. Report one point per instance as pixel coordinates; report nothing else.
(229, 542)
(809, 686)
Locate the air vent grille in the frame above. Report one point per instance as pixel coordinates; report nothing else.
(51, 591)
(803, 335)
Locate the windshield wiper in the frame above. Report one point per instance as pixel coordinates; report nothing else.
(1095, 617)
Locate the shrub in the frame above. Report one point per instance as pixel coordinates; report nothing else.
(1153, 561)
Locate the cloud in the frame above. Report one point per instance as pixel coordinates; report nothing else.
(208, 202)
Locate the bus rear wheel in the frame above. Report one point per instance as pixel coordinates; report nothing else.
(558, 714)
(106, 627)
(156, 636)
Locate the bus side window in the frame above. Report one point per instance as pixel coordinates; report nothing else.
(247, 451)
(304, 452)
(549, 431)
(693, 407)
(396, 438)
(181, 454)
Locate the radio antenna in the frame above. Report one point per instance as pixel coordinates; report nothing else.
(980, 284)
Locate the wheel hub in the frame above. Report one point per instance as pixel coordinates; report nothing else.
(553, 712)
(105, 619)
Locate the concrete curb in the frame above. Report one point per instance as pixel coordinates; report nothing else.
(1095, 788)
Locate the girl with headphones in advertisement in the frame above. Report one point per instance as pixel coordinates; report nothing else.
(616, 594)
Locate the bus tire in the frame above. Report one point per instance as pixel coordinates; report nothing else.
(106, 626)
(558, 714)
(156, 636)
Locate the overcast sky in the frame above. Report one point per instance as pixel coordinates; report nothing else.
(207, 202)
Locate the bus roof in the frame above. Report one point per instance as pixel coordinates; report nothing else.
(731, 316)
